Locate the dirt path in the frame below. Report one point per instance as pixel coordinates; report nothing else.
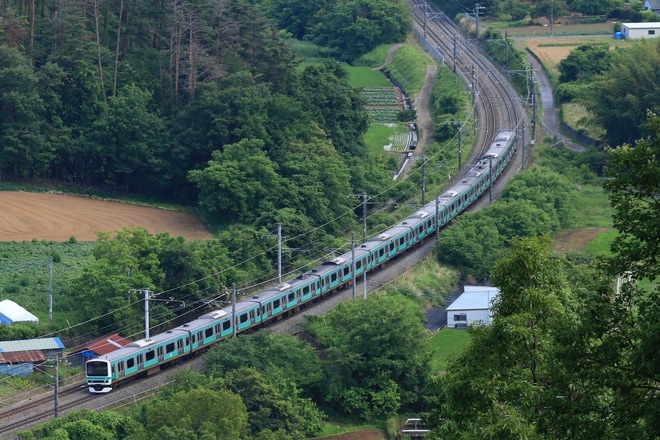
(57, 217)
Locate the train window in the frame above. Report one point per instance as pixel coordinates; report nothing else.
(306, 290)
(209, 332)
(347, 270)
(150, 355)
(276, 303)
(333, 277)
(187, 341)
(358, 265)
(226, 325)
(292, 296)
(169, 348)
(130, 363)
(243, 318)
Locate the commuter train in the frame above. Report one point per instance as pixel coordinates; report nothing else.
(148, 355)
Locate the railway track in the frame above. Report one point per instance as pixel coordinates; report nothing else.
(496, 105)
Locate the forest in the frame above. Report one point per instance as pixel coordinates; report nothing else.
(178, 101)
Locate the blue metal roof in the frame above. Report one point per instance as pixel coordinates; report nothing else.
(31, 344)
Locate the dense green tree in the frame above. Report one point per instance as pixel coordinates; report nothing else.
(620, 97)
(545, 189)
(595, 7)
(131, 137)
(517, 10)
(85, 424)
(471, 244)
(23, 152)
(584, 62)
(201, 412)
(498, 388)
(634, 185)
(238, 183)
(281, 355)
(274, 404)
(352, 28)
(550, 9)
(336, 106)
(294, 16)
(377, 355)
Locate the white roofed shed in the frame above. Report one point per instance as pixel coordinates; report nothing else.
(10, 312)
(473, 306)
(633, 31)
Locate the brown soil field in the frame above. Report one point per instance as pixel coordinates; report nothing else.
(575, 240)
(551, 50)
(369, 434)
(58, 217)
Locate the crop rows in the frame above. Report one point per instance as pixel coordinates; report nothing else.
(384, 96)
(383, 114)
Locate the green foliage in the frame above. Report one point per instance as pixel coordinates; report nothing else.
(353, 28)
(535, 202)
(619, 100)
(506, 369)
(408, 67)
(85, 424)
(280, 356)
(274, 404)
(633, 185)
(377, 355)
(199, 413)
(584, 62)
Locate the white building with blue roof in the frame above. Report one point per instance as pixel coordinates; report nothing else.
(473, 306)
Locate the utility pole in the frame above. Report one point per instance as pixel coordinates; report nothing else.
(474, 99)
(437, 221)
(279, 251)
(146, 313)
(477, 9)
(364, 217)
(57, 386)
(353, 261)
(147, 293)
(233, 309)
(460, 150)
(522, 148)
(423, 178)
(454, 53)
(50, 291)
(490, 168)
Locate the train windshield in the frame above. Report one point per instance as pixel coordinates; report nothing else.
(97, 368)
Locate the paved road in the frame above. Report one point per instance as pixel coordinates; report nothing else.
(550, 122)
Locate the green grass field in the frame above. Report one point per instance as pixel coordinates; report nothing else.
(447, 344)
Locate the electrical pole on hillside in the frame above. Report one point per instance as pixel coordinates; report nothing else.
(279, 251)
(477, 10)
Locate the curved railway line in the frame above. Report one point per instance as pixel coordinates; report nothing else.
(497, 106)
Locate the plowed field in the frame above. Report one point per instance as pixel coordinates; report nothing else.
(57, 217)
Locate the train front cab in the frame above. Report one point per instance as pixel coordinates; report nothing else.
(99, 376)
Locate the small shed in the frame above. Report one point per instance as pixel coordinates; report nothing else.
(473, 306)
(10, 312)
(51, 347)
(96, 348)
(633, 31)
(20, 363)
